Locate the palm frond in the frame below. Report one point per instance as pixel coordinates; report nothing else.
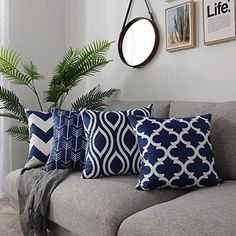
(14, 76)
(91, 59)
(75, 65)
(10, 116)
(31, 70)
(19, 133)
(97, 49)
(58, 84)
(55, 94)
(12, 103)
(65, 63)
(9, 57)
(9, 60)
(94, 99)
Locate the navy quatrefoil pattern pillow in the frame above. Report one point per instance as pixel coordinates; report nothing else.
(112, 147)
(41, 135)
(176, 152)
(69, 143)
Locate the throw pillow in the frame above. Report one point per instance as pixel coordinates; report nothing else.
(68, 148)
(176, 152)
(40, 135)
(112, 148)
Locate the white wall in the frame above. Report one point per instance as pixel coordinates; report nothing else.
(205, 73)
(75, 28)
(42, 30)
(37, 31)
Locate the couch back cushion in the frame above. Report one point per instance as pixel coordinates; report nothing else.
(160, 108)
(223, 131)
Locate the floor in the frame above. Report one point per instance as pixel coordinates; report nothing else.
(9, 221)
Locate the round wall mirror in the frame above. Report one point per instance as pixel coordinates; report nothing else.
(138, 42)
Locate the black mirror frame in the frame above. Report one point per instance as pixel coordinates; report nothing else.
(122, 35)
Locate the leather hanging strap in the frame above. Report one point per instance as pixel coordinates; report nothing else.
(127, 14)
(149, 9)
(129, 9)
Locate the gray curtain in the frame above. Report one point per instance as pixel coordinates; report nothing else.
(5, 140)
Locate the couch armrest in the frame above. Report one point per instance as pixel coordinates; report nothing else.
(11, 183)
(206, 211)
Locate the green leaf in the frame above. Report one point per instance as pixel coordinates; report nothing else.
(19, 133)
(31, 70)
(56, 93)
(9, 60)
(10, 116)
(75, 65)
(9, 57)
(15, 76)
(93, 57)
(65, 63)
(11, 103)
(94, 100)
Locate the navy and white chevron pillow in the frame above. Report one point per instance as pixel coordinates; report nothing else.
(40, 134)
(69, 142)
(176, 152)
(112, 148)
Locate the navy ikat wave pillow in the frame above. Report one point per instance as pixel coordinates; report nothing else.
(40, 135)
(69, 142)
(112, 147)
(176, 152)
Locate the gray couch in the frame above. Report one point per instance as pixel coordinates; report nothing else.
(111, 206)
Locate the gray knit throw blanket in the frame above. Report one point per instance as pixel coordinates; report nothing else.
(35, 187)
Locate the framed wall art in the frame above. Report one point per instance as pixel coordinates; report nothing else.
(218, 21)
(180, 26)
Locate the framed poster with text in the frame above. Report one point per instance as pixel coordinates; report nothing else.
(218, 21)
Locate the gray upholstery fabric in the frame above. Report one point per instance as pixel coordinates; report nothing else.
(160, 108)
(58, 230)
(86, 206)
(204, 212)
(223, 131)
(11, 184)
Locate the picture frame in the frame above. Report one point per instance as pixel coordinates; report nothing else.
(180, 26)
(219, 21)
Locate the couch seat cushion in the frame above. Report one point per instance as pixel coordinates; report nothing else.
(89, 206)
(208, 212)
(223, 135)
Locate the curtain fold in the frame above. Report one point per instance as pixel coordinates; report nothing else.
(5, 140)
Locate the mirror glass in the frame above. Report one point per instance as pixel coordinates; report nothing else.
(138, 42)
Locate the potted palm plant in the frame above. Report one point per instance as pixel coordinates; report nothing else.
(72, 68)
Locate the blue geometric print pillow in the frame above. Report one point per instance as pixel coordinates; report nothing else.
(176, 152)
(112, 148)
(41, 135)
(69, 143)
